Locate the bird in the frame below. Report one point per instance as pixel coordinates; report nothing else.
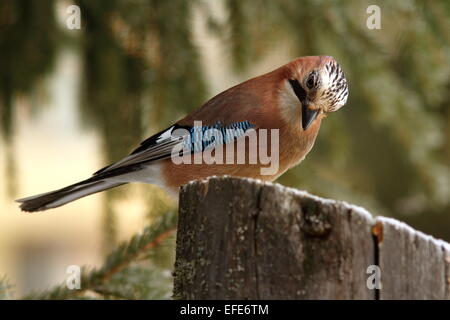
(289, 103)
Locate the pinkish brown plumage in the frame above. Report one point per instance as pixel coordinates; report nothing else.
(292, 100)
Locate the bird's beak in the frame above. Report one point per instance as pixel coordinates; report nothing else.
(308, 115)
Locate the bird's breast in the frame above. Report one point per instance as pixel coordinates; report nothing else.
(274, 154)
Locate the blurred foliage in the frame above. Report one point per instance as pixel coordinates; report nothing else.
(28, 39)
(5, 288)
(388, 149)
(137, 269)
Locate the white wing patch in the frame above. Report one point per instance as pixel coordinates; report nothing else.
(165, 135)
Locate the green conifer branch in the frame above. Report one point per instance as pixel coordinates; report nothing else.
(96, 280)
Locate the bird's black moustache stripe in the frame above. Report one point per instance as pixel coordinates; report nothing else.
(298, 90)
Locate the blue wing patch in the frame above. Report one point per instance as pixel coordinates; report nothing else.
(194, 139)
(205, 137)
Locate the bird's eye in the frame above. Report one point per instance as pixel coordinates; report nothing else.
(310, 83)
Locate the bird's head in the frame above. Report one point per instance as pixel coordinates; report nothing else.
(315, 84)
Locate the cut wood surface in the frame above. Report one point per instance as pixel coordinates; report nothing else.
(245, 239)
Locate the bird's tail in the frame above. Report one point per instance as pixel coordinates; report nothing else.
(65, 195)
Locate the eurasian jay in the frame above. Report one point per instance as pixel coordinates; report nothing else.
(289, 103)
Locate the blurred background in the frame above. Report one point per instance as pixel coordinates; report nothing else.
(72, 101)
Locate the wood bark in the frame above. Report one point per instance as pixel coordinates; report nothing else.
(245, 239)
(414, 265)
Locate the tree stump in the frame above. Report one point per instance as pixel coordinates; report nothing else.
(245, 239)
